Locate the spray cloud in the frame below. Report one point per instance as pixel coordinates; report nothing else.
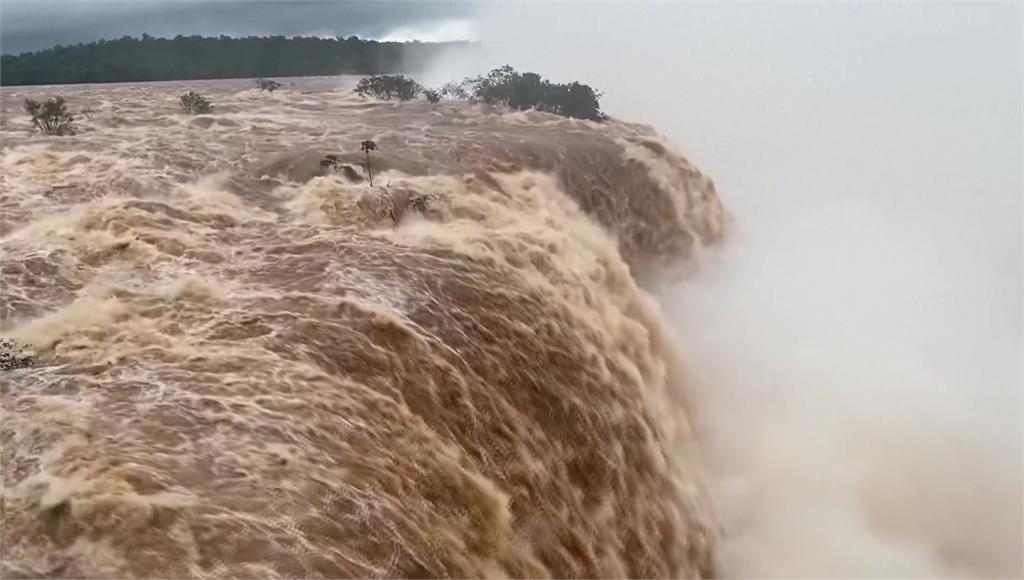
(855, 345)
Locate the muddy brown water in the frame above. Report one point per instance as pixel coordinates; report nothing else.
(249, 365)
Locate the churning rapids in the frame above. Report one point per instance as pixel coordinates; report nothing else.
(248, 365)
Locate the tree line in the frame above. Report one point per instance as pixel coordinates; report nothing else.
(130, 59)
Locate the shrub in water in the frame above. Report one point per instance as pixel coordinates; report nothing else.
(51, 117)
(193, 102)
(267, 85)
(388, 87)
(12, 356)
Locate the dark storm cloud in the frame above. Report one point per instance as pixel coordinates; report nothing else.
(35, 24)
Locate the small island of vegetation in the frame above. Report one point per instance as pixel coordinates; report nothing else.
(502, 86)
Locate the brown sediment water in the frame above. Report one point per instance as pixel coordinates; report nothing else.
(250, 365)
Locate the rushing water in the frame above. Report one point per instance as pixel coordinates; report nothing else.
(249, 365)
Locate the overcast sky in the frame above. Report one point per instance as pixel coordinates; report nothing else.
(36, 24)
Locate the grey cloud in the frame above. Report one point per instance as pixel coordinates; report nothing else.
(36, 24)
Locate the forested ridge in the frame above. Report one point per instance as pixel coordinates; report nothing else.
(130, 59)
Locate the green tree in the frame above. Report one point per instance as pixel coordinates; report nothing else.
(521, 91)
(388, 87)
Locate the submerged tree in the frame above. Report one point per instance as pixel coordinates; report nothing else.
(51, 117)
(388, 87)
(193, 102)
(13, 356)
(335, 163)
(455, 90)
(330, 161)
(433, 97)
(267, 85)
(366, 147)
